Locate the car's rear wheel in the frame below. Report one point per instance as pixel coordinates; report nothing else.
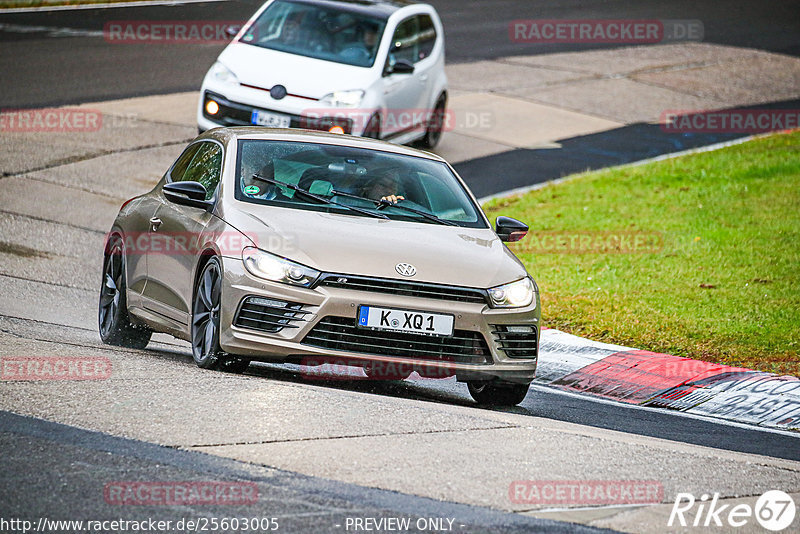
(433, 131)
(496, 393)
(114, 323)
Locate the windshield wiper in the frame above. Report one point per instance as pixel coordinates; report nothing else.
(381, 204)
(300, 191)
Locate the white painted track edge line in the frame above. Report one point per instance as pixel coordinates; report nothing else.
(677, 413)
(110, 5)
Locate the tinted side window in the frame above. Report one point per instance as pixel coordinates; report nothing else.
(404, 41)
(206, 167)
(427, 36)
(179, 168)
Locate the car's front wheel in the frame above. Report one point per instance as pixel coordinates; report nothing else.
(205, 316)
(496, 393)
(373, 128)
(114, 324)
(435, 126)
(206, 306)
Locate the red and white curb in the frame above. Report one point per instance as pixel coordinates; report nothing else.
(647, 378)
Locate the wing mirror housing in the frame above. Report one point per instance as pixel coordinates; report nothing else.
(187, 194)
(401, 66)
(510, 230)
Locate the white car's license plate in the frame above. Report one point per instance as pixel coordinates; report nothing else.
(271, 120)
(434, 324)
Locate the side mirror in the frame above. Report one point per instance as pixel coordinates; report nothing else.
(187, 194)
(510, 230)
(401, 66)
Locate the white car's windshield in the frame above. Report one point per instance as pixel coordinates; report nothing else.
(318, 32)
(420, 189)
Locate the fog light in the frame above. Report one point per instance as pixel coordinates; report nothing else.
(513, 329)
(336, 130)
(212, 107)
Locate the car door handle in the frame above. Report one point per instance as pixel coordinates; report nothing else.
(155, 222)
(423, 78)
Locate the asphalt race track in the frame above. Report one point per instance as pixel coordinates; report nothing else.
(69, 69)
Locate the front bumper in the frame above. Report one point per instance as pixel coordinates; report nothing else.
(309, 117)
(476, 351)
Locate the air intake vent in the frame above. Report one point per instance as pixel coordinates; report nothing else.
(517, 341)
(341, 333)
(268, 315)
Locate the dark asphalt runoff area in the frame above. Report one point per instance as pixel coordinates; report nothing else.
(544, 401)
(64, 472)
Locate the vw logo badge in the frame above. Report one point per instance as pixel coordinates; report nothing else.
(277, 92)
(405, 269)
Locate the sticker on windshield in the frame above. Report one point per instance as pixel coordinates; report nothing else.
(251, 189)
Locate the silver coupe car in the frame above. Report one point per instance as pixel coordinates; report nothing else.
(297, 247)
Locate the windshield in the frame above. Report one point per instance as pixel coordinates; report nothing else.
(318, 32)
(424, 190)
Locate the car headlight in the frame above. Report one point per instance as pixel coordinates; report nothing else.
(271, 267)
(223, 74)
(514, 295)
(343, 99)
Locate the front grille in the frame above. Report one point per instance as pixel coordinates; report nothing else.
(341, 333)
(236, 114)
(406, 289)
(517, 341)
(268, 315)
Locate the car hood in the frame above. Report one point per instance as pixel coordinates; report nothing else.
(304, 76)
(356, 245)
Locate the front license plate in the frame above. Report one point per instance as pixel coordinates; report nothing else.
(433, 324)
(271, 120)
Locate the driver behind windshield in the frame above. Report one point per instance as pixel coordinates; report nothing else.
(386, 187)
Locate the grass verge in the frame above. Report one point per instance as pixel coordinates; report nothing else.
(714, 273)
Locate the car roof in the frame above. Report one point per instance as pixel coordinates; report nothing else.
(232, 134)
(374, 8)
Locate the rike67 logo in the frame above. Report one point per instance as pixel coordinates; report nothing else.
(775, 511)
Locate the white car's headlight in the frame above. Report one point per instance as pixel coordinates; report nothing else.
(272, 267)
(514, 295)
(223, 74)
(343, 99)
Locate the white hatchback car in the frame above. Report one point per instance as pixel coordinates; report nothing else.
(372, 68)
